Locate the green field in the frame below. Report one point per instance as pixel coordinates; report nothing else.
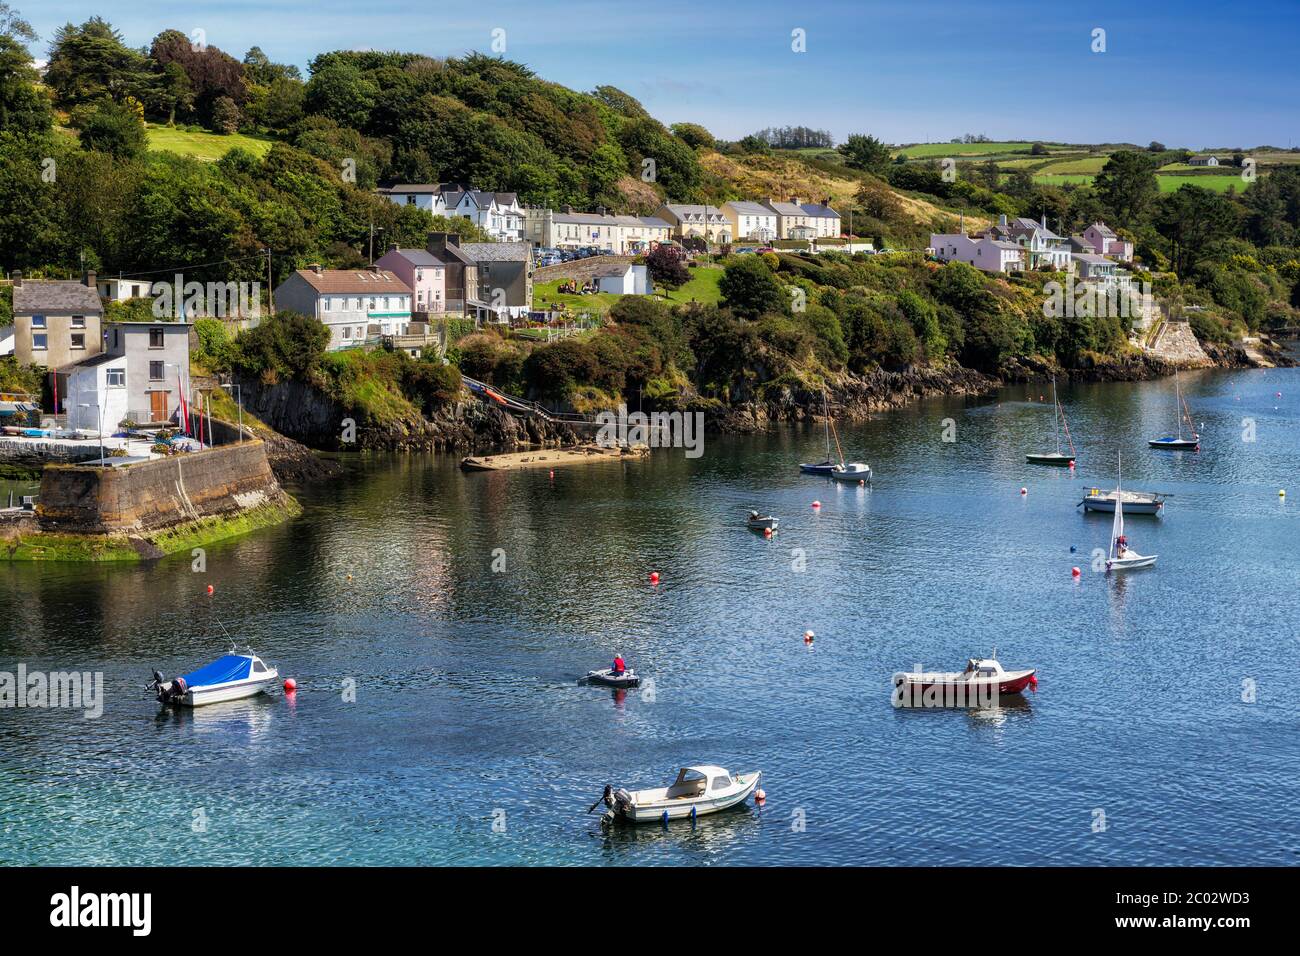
(1090, 165)
(1219, 184)
(957, 150)
(208, 147)
(702, 287)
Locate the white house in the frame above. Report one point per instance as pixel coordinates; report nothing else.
(1044, 247)
(352, 303)
(824, 220)
(97, 395)
(6, 340)
(119, 290)
(1203, 161)
(750, 220)
(624, 280)
(986, 254)
(498, 214)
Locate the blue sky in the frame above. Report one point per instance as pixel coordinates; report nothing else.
(1190, 73)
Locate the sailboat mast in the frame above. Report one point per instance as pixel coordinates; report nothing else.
(1056, 415)
(1178, 405)
(826, 420)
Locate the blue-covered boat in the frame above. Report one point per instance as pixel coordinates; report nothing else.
(228, 678)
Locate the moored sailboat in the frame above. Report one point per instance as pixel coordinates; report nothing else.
(1058, 457)
(1177, 442)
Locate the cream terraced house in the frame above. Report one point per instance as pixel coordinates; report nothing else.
(614, 234)
(697, 221)
(352, 303)
(750, 221)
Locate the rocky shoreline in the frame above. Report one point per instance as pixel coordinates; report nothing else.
(305, 420)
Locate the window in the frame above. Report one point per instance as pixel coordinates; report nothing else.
(116, 377)
(722, 782)
(325, 303)
(156, 339)
(155, 371)
(372, 304)
(347, 331)
(410, 200)
(259, 667)
(39, 341)
(78, 321)
(38, 321)
(78, 340)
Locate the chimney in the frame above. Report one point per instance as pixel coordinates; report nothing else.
(454, 239)
(90, 278)
(567, 210)
(1002, 220)
(372, 268)
(315, 267)
(392, 247)
(1044, 222)
(17, 278)
(437, 241)
(600, 210)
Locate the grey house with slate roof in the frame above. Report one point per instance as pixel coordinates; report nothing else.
(505, 277)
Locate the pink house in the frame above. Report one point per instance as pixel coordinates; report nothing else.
(1104, 240)
(425, 275)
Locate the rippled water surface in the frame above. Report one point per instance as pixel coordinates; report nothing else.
(467, 711)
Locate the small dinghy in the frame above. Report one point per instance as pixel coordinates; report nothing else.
(818, 468)
(853, 472)
(1058, 458)
(695, 792)
(232, 677)
(1121, 556)
(757, 522)
(979, 684)
(608, 678)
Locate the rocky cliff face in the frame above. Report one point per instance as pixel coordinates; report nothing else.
(304, 414)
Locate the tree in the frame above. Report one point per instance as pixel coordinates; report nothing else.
(213, 75)
(343, 93)
(225, 115)
(24, 107)
(879, 201)
(109, 127)
(1191, 218)
(1127, 185)
(694, 135)
(13, 26)
(865, 152)
(749, 288)
(91, 62)
(666, 266)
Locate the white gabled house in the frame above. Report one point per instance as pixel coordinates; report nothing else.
(498, 214)
(985, 254)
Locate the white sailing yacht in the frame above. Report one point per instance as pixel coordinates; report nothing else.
(1121, 556)
(1177, 442)
(1057, 457)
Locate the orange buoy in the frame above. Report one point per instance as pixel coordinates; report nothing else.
(1024, 491)
(767, 532)
(654, 577)
(808, 637)
(290, 685)
(209, 588)
(760, 796)
(816, 505)
(1075, 572)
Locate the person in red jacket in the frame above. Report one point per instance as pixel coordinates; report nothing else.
(619, 666)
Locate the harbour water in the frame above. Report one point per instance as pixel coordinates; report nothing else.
(438, 719)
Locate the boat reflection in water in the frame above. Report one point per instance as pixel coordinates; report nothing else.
(712, 835)
(250, 718)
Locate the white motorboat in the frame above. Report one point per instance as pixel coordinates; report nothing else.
(1135, 502)
(696, 791)
(1121, 557)
(608, 678)
(231, 677)
(853, 472)
(1177, 442)
(1058, 457)
(756, 522)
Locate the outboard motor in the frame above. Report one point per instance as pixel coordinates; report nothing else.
(167, 692)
